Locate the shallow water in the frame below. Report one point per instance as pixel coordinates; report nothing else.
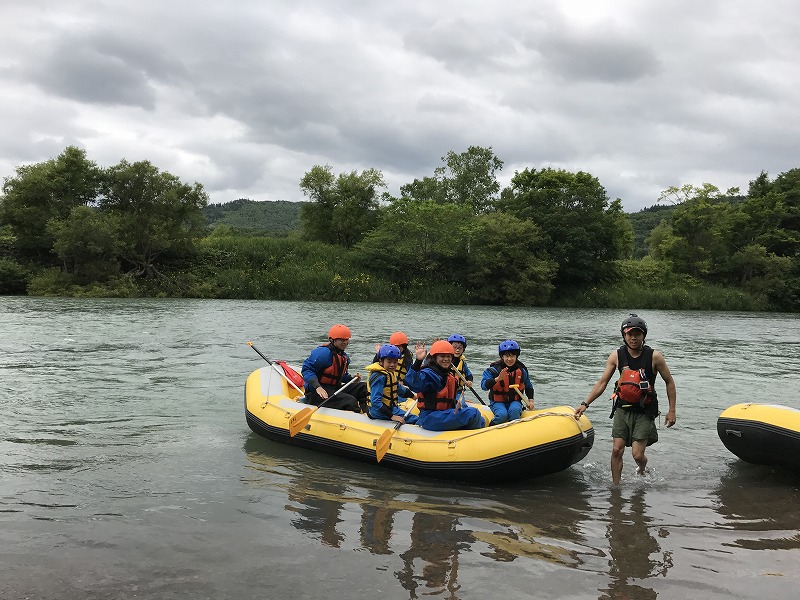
(127, 469)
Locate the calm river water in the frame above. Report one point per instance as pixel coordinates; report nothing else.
(127, 469)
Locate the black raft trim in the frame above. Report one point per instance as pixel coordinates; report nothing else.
(760, 443)
(531, 462)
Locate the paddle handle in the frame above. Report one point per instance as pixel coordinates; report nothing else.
(464, 381)
(525, 402)
(353, 380)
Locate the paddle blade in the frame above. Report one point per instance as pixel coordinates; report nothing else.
(299, 420)
(382, 445)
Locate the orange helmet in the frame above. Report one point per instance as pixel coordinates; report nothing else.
(397, 338)
(441, 347)
(339, 332)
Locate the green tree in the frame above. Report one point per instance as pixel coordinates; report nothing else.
(583, 233)
(707, 191)
(509, 264)
(773, 223)
(154, 215)
(343, 208)
(773, 210)
(86, 244)
(468, 178)
(419, 240)
(698, 237)
(44, 191)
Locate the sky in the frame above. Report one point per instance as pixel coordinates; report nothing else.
(245, 97)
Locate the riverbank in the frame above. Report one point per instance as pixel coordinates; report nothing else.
(259, 268)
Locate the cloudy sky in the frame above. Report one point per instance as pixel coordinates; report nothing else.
(246, 96)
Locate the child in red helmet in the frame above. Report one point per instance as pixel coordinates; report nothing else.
(436, 386)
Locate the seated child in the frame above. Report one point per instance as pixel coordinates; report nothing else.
(436, 383)
(504, 401)
(385, 388)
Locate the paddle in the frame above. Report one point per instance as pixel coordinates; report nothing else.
(301, 418)
(525, 403)
(382, 445)
(464, 381)
(274, 366)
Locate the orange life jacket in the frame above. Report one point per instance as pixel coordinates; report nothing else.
(444, 399)
(332, 375)
(501, 391)
(632, 387)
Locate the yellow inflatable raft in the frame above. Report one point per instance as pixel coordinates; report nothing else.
(541, 442)
(763, 434)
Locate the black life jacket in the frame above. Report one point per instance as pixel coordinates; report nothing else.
(634, 390)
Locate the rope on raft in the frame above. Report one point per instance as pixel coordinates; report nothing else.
(468, 433)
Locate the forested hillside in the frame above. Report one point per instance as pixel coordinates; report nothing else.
(643, 222)
(276, 218)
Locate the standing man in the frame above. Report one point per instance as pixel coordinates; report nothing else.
(635, 406)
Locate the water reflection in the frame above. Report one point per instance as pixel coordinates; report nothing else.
(317, 508)
(427, 526)
(432, 557)
(377, 516)
(761, 503)
(632, 546)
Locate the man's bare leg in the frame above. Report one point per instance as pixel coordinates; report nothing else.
(616, 460)
(637, 449)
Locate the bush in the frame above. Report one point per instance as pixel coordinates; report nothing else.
(13, 277)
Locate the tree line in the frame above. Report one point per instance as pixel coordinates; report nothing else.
(550, 237)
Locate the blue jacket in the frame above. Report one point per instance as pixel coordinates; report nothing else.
(320, 359)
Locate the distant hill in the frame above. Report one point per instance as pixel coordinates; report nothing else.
(279, 218)
(272, 218)
(644, 221)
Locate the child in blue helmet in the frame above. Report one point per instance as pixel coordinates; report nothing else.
(385, 389)
(459, 343)
(509, 371)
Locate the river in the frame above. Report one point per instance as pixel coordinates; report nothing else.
(127, 469)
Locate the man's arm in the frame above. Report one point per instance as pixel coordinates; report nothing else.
(660, 367)
(600, 386)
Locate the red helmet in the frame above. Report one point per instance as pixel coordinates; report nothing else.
(398, 338)
(339, 332)
(441, 347)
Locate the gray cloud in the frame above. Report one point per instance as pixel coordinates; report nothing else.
(245, 101)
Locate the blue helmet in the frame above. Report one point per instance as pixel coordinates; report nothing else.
(388, 351)
(457, 338)
(508, 346)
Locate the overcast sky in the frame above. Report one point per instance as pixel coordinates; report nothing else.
(246, 96)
